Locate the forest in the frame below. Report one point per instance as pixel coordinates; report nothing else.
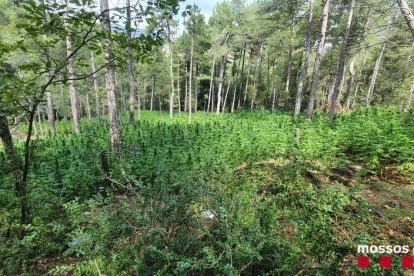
(156, 137)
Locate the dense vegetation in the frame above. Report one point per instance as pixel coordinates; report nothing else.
(271, 138)
(199, 198)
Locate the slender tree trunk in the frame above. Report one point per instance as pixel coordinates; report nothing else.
(233, 103)
(131, 75)
(242, 75)
(186, 89)
(171, 72)
(225, 97)
(258, 78)
(374, 77)
(72, 88)
(196, 88)
(211, 83)
(49, 99)
(304, 72)
(318, 59)
(291, 46)
(408, 15)
(62, 102)
(351, 83)
(39, 120)
(15, 165)
(50, 112)
(178, 87)
(221, 80)
(152, 92)
(274, 91)
(247, 84)
(110, 79)
(95, 86)
(190, 89)
(88, 106)
(341, 63)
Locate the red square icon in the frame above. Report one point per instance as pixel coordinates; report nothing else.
(407, 261)
(363, 262)
(385, 261)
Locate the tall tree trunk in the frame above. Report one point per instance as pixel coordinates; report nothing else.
(178, 87)
(95, 86)
(15, 164)
(304, 72)
(408, 15)
(341, 63)
(352, 72)
(49, 99)
(211, 83)
(171, 71)
(225, 97)
(186, 88)
(88, 106)
(291, 46)
(258, 77)
(190, 89)
(242, 75)
(16, 168)
(62, 102)
(152, 92)
(318, 59)
(110, 79)
(196, 88)
(72, 88)
(247, 84)
(50, 112)
(221, 80)
(274, 90)
(374, 77)
(131, 75)
(351, 83)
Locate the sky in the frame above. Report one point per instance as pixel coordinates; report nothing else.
(206, 6)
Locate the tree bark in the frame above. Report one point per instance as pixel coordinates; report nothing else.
(242, 75)
(408, 15)
(178, 87)
(304, 72)
(374, 77)
(152, 92)
(258, 77)
(221, 80)
(131, 75)
(351, 83)
(12, 155)
(50, 112)
(211, 83)
(95, 86)
(190, 88)
(318, 59)
(289, 63)
(341, 63)
(171, 71)
(72, 88)
(110, 79)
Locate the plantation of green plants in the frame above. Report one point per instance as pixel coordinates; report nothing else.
(223, 195)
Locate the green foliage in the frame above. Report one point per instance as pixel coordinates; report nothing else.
(179, 204)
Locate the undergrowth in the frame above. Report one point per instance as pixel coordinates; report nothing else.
(178, 204)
